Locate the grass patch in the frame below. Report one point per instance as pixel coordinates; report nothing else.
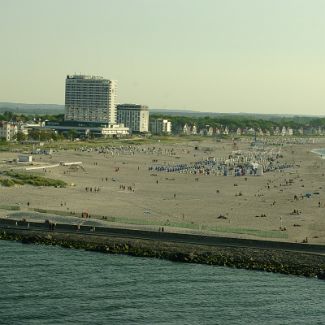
(192, 226)
(34, 180)
(6, 182)
(9, 182)
(57, 212)
(254, 232)
(10, 207)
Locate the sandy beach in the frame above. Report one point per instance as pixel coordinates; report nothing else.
(148, 186)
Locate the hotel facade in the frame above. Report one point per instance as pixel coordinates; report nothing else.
(90, 99)
(90, 108)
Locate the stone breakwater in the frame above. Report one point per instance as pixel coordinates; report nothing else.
(269, 260)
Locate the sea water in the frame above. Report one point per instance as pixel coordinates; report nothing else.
(320, 152)
(52, 285)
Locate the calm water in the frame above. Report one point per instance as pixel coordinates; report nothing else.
(52, 285)
(320, 152)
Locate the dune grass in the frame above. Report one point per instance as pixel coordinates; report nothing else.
(10, 207)
(27, 178)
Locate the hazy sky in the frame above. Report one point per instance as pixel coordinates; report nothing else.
(265, 56)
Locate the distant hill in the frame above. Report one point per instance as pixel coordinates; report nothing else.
(29, 109)
(257, 116)
(52, 109)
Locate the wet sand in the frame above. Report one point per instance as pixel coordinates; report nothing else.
(240, 206)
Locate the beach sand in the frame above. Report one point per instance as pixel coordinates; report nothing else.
(247, 206)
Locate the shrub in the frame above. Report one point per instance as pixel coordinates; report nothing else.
(7, 182)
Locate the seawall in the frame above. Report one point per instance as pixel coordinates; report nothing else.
(286, 258)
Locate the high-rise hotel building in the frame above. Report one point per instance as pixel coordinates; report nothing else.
(90, 99)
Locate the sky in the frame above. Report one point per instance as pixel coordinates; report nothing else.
(254, 56)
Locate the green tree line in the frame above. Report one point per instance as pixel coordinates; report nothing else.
(237, 121)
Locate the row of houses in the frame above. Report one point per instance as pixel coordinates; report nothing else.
(277, 131)
(9, 130)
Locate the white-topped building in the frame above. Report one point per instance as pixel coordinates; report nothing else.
(90, 99)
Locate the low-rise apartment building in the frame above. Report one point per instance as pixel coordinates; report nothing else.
(133, 116)
(8, 130)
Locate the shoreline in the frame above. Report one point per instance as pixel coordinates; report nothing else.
(318, 152)
(227, 253)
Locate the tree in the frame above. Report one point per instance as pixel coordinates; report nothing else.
(20, 136)
(72, 134)
(34, 134)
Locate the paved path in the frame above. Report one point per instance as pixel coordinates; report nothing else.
(89, 230)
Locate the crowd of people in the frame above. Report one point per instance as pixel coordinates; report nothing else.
(238, 163)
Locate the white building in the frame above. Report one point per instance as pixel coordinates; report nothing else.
(25, 158)
(115, 130)
(160, 126)
(133, 116)
(90, 98)
(320, 131)
(8, 130)
(210, 131)
(276, 131)
(88, 129)
(225, 131)
(289, 131)
(250, 131)
(24, 128)
(186, 129)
